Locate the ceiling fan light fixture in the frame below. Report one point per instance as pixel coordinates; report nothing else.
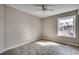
(44, 7)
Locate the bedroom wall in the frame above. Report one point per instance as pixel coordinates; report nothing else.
(19, 27)
(1, 27)
(50, 29)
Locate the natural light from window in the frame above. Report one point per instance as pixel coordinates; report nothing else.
(66, 26)
(47, 43)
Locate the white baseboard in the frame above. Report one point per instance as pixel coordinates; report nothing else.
(19, 45)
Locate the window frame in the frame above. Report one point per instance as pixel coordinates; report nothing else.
(74, 26)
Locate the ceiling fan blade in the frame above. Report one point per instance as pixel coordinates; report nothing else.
(50, 10)
(43, 4)
(42, 10)
(46, 9)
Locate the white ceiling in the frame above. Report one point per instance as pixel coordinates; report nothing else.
(34, 10)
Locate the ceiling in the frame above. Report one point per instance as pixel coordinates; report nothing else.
(34, 10)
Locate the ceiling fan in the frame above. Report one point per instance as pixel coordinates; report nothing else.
(44, 7)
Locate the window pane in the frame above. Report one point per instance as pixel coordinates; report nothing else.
(66, 26)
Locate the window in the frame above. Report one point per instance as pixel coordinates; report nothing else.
(66, 26)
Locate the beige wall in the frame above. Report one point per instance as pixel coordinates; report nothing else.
(50, 29)
(1, 27)
(19, 27)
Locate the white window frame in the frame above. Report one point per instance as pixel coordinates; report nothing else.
(74, 24)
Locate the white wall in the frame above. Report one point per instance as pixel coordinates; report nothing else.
(19, 27)
(50, 29)
(1, 27)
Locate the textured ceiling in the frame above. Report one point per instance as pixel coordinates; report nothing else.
(35, 10)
